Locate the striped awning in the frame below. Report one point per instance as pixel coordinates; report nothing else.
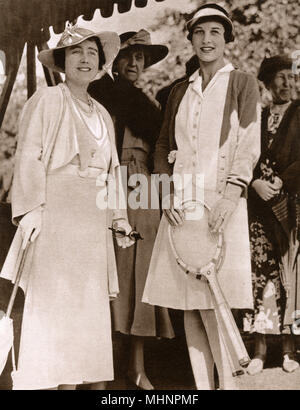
(29, 20)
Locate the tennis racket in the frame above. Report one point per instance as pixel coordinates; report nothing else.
(200, 253)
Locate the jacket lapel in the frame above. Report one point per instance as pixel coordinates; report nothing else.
(179, 91)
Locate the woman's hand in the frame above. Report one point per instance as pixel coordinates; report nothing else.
(174, 215)
(265, 189)
(220, 214)
(31, 225)
(124, 242)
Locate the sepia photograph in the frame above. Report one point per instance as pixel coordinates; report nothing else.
(149, 197)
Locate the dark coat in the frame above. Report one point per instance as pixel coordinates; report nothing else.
(285, 151)
(130, 108)
(284, 155)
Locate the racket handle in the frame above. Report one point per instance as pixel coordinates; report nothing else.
(20, 265)
(227, 321)
(234, 335)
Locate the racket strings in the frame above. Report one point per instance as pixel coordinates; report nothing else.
(193, 241)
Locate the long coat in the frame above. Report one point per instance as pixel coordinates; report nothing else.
(36, 149)
(137, 122)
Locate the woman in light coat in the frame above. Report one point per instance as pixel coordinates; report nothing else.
(66, 143)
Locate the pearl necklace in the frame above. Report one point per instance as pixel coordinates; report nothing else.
(87, 126)
(90, 103)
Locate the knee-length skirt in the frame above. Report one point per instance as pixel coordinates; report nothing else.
(66, 329)
(167, 285)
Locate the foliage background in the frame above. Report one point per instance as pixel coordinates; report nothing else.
(262, 28)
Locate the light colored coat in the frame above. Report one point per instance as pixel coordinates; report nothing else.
(46, 122)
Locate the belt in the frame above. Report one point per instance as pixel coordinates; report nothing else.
(72, 169)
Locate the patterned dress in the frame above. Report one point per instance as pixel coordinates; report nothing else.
(268, 291)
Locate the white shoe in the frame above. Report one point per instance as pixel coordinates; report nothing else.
(255, 366)
(289, 365)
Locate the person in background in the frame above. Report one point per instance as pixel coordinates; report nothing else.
(212, 123)
(137, 122)
(65, 142)
(162, 96)
(273, 205)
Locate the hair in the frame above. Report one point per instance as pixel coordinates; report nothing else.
(228, 35)
(192, 65)
(59, 55)
(123, 53)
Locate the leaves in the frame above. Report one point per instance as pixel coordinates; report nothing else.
(262, 27)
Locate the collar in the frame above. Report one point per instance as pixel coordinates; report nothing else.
(226, 69)
(279, 108)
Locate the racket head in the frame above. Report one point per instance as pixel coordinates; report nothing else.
(195, 247)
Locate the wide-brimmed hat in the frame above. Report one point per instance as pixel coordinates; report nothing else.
(155, 52)
(73, 35)
(271, 65)
(212, 11)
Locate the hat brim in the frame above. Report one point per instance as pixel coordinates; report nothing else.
(191, 23)
(156, 52)
(110, 42)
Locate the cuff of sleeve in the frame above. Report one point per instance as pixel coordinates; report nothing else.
(233, 192)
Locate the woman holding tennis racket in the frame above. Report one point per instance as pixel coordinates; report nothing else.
(211, 133)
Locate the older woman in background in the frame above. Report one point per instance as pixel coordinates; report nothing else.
(137, 122)
(274, 217)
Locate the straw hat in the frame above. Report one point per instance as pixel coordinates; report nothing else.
(73, 35)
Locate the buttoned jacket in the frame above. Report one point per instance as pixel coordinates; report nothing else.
(239, 146)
